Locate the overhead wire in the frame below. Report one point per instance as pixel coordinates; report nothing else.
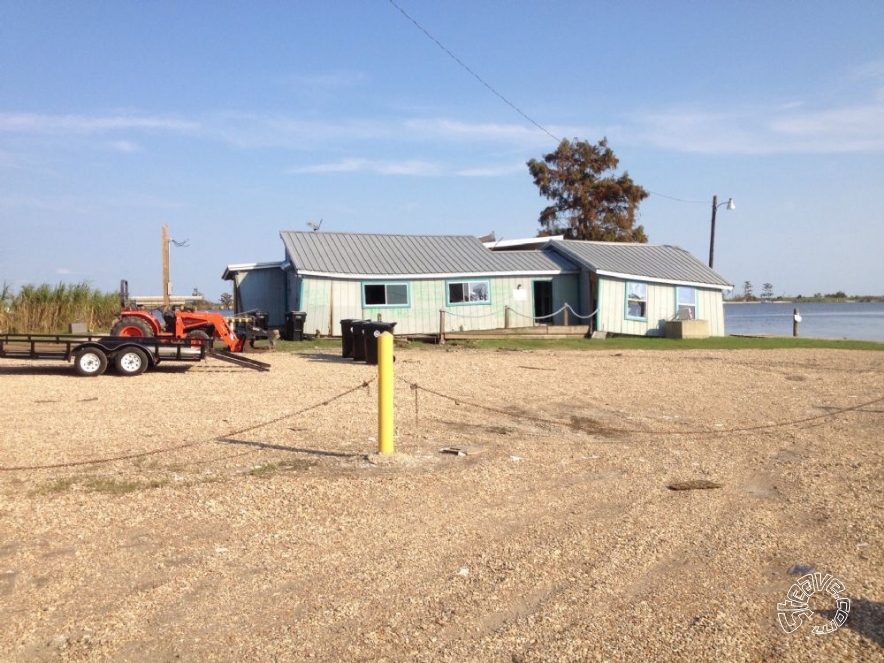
(474, 74)
(509, 103)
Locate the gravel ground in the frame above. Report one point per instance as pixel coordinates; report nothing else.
(243, 516)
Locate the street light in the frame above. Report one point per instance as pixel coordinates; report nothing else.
(715, 206)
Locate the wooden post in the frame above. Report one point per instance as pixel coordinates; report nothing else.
(441, 326)
(506, 317)
(166, 286)
(565, 319)
(796, 322)
(331, 309)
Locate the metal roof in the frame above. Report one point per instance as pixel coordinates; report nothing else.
(649, 262)
(230, 270)
(374, 256)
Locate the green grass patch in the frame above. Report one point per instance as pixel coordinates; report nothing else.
(55, 486)
(615, 343)
(307, 346)
(654, 343)
(97, 485)
(271, 468)
(114, 487)
(264, 470)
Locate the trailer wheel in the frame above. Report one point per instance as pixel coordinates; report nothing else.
(131, 326)
(131, 361)
(90, 362)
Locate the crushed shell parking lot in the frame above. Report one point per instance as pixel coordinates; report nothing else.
(210, 513)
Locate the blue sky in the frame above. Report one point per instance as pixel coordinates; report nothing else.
(231, 121)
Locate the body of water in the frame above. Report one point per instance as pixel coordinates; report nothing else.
(860, 321)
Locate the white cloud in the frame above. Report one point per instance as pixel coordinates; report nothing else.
(245, 130)
(456, 130)
(495, 171)
(358, 165)
(327, 81)
(789, 129)
(63, 271)
(85, 124)
(869, 70)
(124, 146)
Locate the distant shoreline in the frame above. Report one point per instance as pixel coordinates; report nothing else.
(807, 300)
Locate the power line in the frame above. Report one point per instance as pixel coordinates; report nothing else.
(503, 98)
(681, 200)
(474, 74)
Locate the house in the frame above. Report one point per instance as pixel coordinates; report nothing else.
(407, 279)
(429, 284)
(634, 289)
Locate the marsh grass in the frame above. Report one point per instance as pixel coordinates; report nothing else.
(49, 309)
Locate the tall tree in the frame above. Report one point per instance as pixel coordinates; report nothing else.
(589, 200)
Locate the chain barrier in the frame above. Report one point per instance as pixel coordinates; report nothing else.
(416, 388)
(636, 431)
(480, 315)
(154, 452)
(577, 315)
(523, 315)
(539, 317)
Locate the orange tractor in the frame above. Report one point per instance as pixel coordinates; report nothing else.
(185, 323)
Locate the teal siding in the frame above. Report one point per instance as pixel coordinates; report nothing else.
(661, 306)
(328, 301)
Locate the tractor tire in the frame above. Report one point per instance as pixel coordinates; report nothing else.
(131, 361)
(198, 337)
(90, 362)
(131, 326)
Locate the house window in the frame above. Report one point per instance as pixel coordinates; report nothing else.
(468, 292)
(687, 304)
(385, 294)
(636, 300)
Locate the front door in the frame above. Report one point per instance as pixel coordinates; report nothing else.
(543, 302)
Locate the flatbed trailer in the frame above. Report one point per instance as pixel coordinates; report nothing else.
(91, 354)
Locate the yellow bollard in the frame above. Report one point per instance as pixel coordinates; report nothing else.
(385, 393)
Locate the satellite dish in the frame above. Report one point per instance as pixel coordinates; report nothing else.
(314, 225)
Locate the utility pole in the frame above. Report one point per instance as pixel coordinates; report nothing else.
(715, 206)
(166, 286)
(712, 235)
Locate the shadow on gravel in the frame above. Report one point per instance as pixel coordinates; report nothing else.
(55, 369)
(866, 618)
(282, 447)
(328, 358)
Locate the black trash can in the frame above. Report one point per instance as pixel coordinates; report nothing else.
(262, 320)
(294, 325)
(347, 337)
(372, 331)
(359, 339)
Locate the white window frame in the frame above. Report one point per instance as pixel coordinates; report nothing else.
(692, 307)
(470, 292)
(386, 285)
(637, 291)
